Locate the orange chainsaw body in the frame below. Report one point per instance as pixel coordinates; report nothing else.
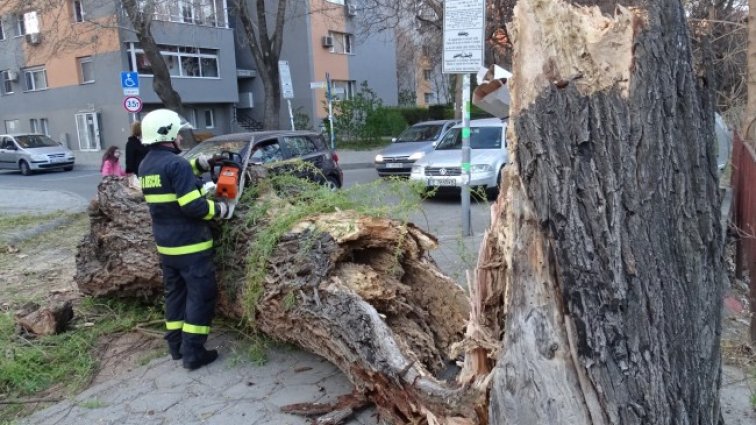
(228, 181)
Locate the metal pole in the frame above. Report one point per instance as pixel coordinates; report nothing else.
(465, 194)
(330, 122)
(291, 114)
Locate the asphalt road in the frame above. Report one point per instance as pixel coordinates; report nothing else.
(440, 215)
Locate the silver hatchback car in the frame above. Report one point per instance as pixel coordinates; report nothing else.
(33, 152)
(411, 145)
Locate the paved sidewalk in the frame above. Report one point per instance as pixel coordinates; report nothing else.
(228, 391)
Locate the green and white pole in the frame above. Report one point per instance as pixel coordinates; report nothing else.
(466, 173)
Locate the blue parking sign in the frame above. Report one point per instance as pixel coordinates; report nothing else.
(129, 80)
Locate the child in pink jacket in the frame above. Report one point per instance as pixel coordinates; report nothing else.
(110, 165)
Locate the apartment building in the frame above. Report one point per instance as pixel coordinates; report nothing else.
(324, 36)
(60, 66)
(61, 60)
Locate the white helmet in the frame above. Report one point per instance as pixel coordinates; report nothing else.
(161, 126)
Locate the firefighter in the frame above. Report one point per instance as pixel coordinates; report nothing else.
(180, 224)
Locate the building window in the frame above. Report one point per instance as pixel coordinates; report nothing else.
(191, 116)
(45, 126)
(343, 89)
(209, 119)
(88, 131)
(78, 10)
(36, 79)
(190, 62)
(2, 30)
(34, 126)
(200, 12)
(427, 74)
(7, 82)
(11, 126)
(20, 26)
(342, 42)
(86, 70)
(429, 98)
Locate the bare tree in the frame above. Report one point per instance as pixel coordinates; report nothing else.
(141, 15)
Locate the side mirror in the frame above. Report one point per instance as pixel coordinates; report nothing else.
(393, 140)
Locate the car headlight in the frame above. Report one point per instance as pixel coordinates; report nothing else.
(481, 168)
(70, 155)
(38, 158)
(379, 158)
(417, 155)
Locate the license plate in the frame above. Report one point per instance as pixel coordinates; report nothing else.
(442, 182)
(56, 160)
(394, 165)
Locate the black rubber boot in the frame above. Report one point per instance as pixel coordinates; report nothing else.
(174, 343)
(175, 352)
(203, 358)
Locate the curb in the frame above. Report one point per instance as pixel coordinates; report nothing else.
(356, 166)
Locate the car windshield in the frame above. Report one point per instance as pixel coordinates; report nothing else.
(420, 133)
(31, 141)
(480, 138)
(210, 148)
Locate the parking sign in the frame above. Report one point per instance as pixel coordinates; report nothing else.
(130, 83)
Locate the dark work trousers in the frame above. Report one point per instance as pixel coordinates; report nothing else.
(190, 293)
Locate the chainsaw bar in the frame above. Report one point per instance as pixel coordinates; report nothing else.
(242, 177)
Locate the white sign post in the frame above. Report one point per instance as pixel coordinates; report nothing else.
(287, 89)
(464, 40)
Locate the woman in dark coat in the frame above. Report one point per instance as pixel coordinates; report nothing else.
(135, 150)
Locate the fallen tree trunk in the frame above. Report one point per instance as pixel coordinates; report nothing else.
(358, 290)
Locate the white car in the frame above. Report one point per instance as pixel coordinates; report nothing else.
(442, 167)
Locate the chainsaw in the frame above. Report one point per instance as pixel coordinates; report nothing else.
(229, 183)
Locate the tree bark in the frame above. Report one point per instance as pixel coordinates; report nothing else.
(358, 291)
(609, 230)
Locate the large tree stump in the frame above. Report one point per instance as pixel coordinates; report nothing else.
(608, 229)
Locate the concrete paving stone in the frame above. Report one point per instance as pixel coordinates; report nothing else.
(242, 390)
(160, 401)
(295, 394)
(242, 413)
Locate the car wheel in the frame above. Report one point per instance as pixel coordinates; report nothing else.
(493, 192)
(68, 168)
(332, 183)
(24, 167)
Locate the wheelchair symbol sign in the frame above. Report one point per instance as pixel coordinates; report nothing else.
(129, 80)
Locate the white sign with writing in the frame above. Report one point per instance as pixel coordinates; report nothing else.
(287, 89)
(464, 39)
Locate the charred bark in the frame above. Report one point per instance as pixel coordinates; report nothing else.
(610, 236)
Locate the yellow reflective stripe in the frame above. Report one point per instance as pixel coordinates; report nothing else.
(160, 199)
(186, 249)
(196, 329)
(174, 326)
(189, 197)
(195, 170)
(210, 210)
(203, 191)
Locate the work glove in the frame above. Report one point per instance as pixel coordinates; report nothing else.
(203, 163)
(208, 188)
(223, 209)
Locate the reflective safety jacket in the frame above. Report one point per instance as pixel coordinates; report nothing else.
(178, 207)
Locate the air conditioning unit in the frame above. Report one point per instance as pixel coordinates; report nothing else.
(327, 41)
(351, 9)
(34, 38)
(12, 75)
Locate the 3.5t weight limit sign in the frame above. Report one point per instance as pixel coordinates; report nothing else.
(132, 104)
